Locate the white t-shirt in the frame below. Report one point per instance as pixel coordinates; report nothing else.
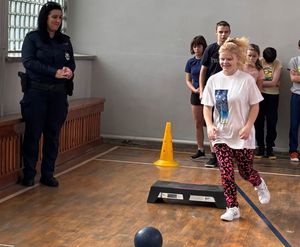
(232, 97)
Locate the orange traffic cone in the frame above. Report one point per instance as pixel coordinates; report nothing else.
(166, 154)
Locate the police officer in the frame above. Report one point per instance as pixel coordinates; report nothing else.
(47, 56)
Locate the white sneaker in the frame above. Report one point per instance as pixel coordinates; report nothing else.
(231, 214)
(263, 192)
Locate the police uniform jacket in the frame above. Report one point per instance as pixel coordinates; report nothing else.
(43, 56)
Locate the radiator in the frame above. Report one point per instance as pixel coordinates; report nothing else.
(80, 132)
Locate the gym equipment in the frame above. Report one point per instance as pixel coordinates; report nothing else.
(196, 194)
(148, 237)
(166, 155)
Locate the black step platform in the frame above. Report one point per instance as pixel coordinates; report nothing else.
(196, 194)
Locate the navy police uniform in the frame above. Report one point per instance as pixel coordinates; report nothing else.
(44, 105)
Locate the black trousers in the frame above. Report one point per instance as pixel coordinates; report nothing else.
(267, 116)
(44, 112)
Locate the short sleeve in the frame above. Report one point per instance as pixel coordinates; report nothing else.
(278, 64)
(188, 68)
(205, 58)
(207, 96)
(292, 65)
(254, 94)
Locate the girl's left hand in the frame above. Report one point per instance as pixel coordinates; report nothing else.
(245, 132)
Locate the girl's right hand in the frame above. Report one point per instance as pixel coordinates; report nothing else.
(212, 132)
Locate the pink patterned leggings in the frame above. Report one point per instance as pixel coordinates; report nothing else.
(244, 160)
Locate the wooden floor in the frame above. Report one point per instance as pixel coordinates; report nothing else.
(103, 202)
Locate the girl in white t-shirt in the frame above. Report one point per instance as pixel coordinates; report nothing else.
(236, 98)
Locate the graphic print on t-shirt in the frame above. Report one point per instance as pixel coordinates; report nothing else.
(268, 73)
(222, 105)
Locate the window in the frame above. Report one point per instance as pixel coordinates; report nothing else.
(22, 18)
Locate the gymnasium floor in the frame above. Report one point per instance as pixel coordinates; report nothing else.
(103, 202)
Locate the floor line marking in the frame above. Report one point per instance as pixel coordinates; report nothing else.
(243, 194)
(191, 167)
(57, 175)
(264, 218)
(86, 161)
(17, 193)
(156, 149)
(190, 152)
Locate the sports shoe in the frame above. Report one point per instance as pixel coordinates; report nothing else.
(231, 214)
(259, 155)
(260, 152)
(263, 192)
(212, 162)
(198, 155)
(294, 157)
(271, 156)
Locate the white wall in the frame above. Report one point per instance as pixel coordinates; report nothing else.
(142, 48)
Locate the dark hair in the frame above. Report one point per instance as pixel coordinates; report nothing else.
(43, 18)
(198, 40)
(223, 24)
(255, 48)
(299, 43)
(269, 54)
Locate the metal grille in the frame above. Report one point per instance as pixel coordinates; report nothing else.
(22, 18)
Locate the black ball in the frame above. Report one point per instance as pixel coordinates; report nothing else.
(148, 237)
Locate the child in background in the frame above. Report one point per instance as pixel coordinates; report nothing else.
(192, 70)
(294, 68)
(210, 65)
(268, 108)
(253, 65)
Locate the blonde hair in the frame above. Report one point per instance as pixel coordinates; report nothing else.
(238, 46)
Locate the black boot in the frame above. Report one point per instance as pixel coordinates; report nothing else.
(49, 181)
(27, 182)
